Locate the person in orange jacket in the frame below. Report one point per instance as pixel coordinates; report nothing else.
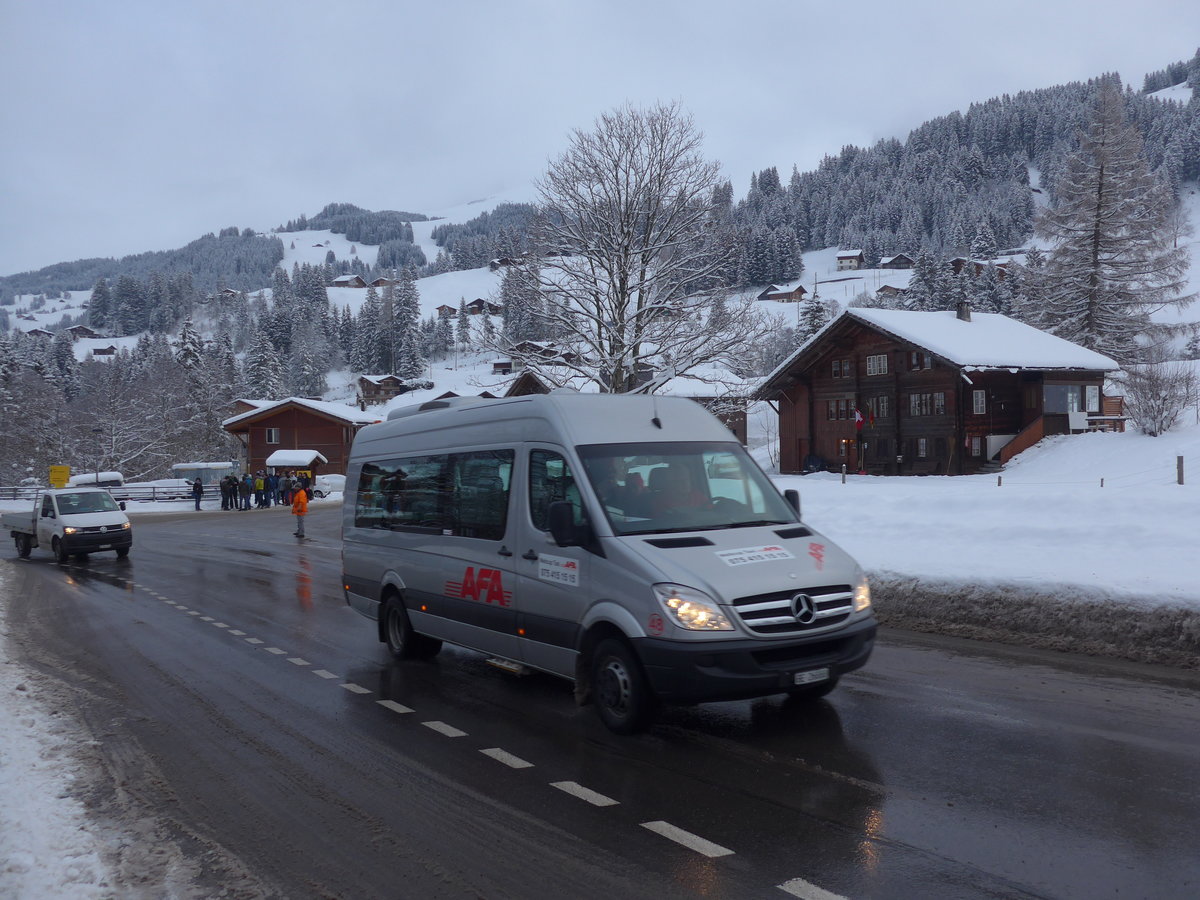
(300, 510)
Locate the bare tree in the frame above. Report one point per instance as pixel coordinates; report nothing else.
(629, 260)
(1157, 394)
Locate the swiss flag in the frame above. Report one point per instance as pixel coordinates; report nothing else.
(858, 419)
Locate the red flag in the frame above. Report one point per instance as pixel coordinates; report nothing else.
(858, 419)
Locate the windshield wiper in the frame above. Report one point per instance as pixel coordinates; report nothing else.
(752, 524)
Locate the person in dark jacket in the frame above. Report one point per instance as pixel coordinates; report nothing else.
(197, 493)
(244, 489)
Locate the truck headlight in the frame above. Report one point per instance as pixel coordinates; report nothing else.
(70, 530)
(862, 595)
(126, 526)
(691, 609)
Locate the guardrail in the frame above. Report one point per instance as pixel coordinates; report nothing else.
(135, 492)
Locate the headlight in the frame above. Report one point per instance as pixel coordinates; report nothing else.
(126, 526)
(862, 596)
(691, 609)
(70, 530)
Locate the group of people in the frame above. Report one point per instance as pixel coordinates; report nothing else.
(266, 488)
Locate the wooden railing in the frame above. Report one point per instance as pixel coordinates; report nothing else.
(1026, 438)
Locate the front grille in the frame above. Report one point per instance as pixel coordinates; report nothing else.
(773, 613)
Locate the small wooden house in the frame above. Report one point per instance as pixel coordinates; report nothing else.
(297, 423)
(380, 388)
(849, 259)
(348, 281)
(82, 331)
(899, 261)
(479, 305)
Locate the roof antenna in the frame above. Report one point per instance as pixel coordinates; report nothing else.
(656, 421)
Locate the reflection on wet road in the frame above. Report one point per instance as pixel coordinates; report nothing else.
(943, 769)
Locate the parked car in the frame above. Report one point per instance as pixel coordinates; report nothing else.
(325, 485)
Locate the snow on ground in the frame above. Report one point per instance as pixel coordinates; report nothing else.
(47, 848)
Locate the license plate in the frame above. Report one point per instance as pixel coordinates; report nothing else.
(105, 547)
(812, 676)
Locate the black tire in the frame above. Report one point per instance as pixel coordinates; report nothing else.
(402, 641)
(24, 545)
(122, 552)
(619, 688)
(59, 549)
(812, 691)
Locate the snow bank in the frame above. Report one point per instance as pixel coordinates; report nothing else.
(46, 848)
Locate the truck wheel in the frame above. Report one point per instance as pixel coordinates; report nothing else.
(59, 549)
(619, 688)
(24, 545)
(402, 641)
(122, 552)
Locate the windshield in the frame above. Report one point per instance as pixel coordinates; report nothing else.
(664, 487)
(89, 502)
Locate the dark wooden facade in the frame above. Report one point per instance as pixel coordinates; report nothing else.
(295, 427)
(921, 414)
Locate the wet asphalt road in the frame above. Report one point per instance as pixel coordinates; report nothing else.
(244, 708)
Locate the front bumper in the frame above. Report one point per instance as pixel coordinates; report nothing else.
(93, 542)
(682, 672)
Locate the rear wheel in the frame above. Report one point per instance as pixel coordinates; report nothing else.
(619, 688)
(24, 545)
(402, 641)
(59, 549)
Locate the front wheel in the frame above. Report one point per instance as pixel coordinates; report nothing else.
(122, 552)
(619, 688)
(59, 549)
(24, 545)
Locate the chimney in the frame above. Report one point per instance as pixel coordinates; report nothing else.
(964, 311)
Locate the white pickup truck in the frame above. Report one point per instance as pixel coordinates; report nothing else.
(70, 521)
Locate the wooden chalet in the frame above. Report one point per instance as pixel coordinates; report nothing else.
(348, 281)
(380, 388)
(792, 292)
(889, 392)
(82, 331)
(890, 292)
(384, 282)
(479, 305)
(297, 423)
(446, 310)
(850, 259)
(899, 261)
(110, 350)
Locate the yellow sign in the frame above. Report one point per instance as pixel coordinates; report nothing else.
(59, 476)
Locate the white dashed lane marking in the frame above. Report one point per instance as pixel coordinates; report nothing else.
(806, 890)
(323, 673)
(687, 839)
(394, 706)
(578, 790)
(443, 728)
(275, 650)
(355, 688)
(297, 661)
(513, 762)
(235, 631)
(253, 641)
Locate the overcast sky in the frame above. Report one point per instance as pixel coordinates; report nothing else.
(139, 125)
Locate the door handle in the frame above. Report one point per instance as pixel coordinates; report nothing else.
(529, 554)
(504, 551)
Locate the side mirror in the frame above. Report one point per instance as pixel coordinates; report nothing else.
(561, 517)
(122, 505)
(792, 496)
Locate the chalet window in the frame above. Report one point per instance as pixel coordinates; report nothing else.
(877, 364)
(879, 406)
(1061, 398)
(1092, 404)
(1031, 398)
(922, 448)
(842, 448)
(843, 409)
(926, 404)
(976, 445)
(979, 404)
(885, 407)
(272, 436)
(831, 410)
(939, 404)
(841, 368)
(919, 360)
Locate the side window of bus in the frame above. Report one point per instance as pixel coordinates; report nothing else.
(550, 480)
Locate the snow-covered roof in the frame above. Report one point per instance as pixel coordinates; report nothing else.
(842, 254)
(294, 459)
(987, 341)
(336, 410)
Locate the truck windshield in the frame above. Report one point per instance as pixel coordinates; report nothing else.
(666, 487)
(86, 502)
